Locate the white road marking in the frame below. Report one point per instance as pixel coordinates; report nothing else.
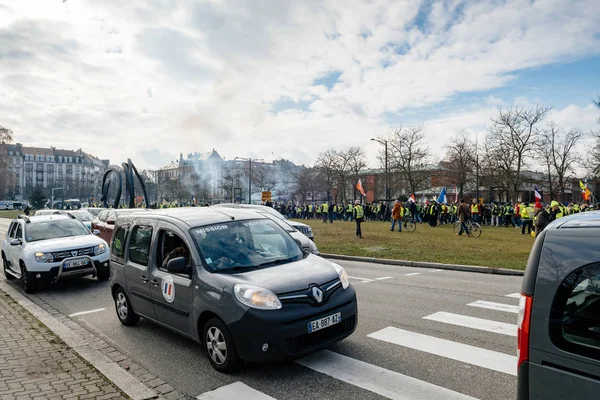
(412, 274)
(384, 278)
(446, 348)
(390, 384)
(474, 323)
(362, 279)
(495, 306)
(86, 312)
(438, 270)
(514, 295)
(236, 390)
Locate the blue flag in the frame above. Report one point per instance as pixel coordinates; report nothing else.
(442, 197)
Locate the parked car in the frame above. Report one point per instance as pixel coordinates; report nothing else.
(305, 242)
(299, 226)
(94, 210)
(230, 279)
(105, 221)
(559, 312)
(47, 248)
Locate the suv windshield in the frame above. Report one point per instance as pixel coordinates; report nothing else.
(245, 245)
(53, 229)
(84, 216)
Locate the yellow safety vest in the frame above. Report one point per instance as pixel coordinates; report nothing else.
(325, 208)
(359, 211)
(474, 209)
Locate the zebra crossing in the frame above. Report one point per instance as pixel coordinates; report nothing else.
(394, 385)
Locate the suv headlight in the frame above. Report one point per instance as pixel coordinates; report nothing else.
(44, 257)
(256, 297)
(100, 249)
(313, 247)
(343, 275)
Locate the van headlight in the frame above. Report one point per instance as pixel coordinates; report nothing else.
(343, 275)
(100, 249)
(256, 297)
(44, 257)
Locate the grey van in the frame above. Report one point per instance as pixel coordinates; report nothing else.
(559, 313)
(230, 279)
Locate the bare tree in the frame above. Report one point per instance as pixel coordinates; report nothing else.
(409, 155)
(327, 165)
(229, 182)
(515, 130)
(594, 155)
(356, 162)
(305, 181)
(461, 158)
(559, 150)
(263, 178)
(6, 135)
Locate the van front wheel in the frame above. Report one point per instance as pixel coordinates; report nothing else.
(220, 347)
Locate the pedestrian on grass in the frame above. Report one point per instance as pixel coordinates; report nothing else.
(358, 213)
(397, 214)
(542, 218)
(463, 214)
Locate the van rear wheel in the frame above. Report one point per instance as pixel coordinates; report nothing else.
(124, 310)
(5, 265)
(220, 346)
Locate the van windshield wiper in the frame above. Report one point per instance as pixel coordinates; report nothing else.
(275, 262)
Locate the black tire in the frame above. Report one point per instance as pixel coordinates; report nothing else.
(8, 276)
(103, 274)
(475, 229)
(28, 280)
(456, 227)
(215, 334)
(125, 312)
(411, 226)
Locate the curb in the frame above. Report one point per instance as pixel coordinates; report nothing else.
(418, 264)
(127, 383)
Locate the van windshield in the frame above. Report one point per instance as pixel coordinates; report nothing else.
(239, 246)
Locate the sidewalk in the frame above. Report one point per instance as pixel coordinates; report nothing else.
(36, 364)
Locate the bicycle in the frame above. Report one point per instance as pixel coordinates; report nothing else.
(474, 228)
(410, 224)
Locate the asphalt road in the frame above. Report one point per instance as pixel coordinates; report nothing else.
(422, 334)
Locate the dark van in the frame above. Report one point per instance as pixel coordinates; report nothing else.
(559, 313)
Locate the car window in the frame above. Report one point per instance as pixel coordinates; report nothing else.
(575, 319)
(172, 246)
(111, 216)
(139, 245)
(19, 234)
(12, 230)
(83, 216)
(118, 243)
(102, 216)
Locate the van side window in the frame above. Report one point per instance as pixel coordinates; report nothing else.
(575, 315)
(118, 243)
(171, 245)
(139, 245)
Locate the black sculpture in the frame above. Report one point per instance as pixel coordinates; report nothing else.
(128, 169)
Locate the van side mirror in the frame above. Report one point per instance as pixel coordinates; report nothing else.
(110, 221)
(177, 265)
(16, 242)
(96, 232)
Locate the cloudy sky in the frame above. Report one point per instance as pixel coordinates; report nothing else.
(149, 79)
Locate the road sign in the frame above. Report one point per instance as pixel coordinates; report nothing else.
(266, 196)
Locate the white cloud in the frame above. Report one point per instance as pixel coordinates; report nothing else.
(143, 80)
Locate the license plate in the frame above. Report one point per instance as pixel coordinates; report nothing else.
(324, 322)
(75, 263)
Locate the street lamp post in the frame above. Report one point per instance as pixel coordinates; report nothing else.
(249, 176)
(52, 201)
(385, 144)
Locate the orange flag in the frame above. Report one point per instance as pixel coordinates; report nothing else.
(360, 188)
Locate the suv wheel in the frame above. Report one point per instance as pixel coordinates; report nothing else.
(103, 274)
(124, 310)
(5, 264)
(220, 347)
(28, 280)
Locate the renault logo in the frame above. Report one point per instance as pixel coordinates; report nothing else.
(317, 294)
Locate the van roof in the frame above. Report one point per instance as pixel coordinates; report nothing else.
(588, 219)
(196, 216)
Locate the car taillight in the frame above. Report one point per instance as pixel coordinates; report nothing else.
(523, 331)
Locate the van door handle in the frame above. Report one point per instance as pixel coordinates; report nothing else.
(155, 282)
(144, 279)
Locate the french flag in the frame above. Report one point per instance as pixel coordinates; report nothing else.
(538, 196)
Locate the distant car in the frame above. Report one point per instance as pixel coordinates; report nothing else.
(305, 229)
(46, 248)
(307, 244)
(559, 313)
(94, 210)
(105, 221)
(232, 280)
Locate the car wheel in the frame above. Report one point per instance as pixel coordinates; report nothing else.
(103, 274)
(124, 310)
(28, 280)
(220, 346)
(5, 264)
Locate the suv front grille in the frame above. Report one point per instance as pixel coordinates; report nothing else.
(61, 255)
(304, 229)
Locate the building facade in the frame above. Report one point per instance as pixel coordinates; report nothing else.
(71, 173)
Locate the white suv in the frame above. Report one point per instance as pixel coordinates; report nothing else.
(45, 248)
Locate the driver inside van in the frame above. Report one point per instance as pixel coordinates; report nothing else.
(173, 247)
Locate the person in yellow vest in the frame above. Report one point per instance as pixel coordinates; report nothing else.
(324, 211)
(527, 214)
(556, 210)
(358, 213)
(475, 211)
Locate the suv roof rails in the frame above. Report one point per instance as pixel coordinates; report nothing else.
(60, 212)
(25, 218)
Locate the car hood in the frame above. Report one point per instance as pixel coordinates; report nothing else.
(298, 275)
(296, 223)
(66, 243)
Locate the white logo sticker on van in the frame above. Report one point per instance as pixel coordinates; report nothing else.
(168, 288)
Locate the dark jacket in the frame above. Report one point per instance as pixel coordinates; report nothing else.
(463, 213)
(541, 221)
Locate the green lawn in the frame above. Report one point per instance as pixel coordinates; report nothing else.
(497, 247)
(10, 214)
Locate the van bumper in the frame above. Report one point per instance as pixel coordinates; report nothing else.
(285, 331)
(523, 381)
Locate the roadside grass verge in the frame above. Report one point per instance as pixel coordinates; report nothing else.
(497, 247)
(10, 214)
